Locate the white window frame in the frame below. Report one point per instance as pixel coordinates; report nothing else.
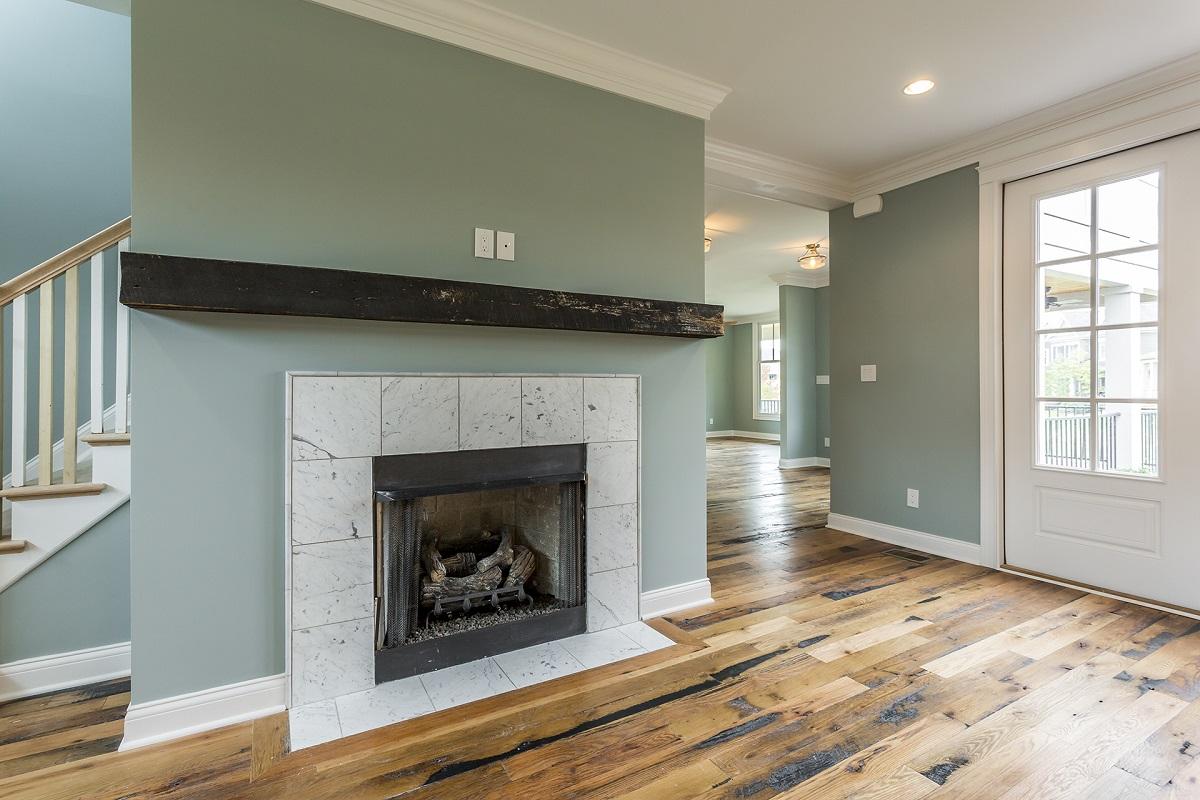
(756, 361)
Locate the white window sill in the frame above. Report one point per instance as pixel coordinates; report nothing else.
(762, 418)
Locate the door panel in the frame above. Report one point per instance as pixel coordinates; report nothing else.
(1101, 332)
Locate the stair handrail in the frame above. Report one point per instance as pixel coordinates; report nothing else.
(73, 256)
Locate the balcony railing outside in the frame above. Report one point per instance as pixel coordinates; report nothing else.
(1065, 439)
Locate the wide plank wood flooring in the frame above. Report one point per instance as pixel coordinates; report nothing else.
(829, 666)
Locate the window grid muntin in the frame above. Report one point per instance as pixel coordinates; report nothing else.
(1093, 400)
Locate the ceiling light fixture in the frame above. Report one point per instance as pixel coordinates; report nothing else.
(919, 87)
(707, 244)
(812, 258)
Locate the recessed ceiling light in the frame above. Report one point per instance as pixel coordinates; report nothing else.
(919, 87)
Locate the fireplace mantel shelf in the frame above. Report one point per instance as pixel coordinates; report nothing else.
(152, 281)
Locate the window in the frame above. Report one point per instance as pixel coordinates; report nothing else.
(767, 345)
(1097, 328)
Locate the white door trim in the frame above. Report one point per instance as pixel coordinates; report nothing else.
(1148, 116)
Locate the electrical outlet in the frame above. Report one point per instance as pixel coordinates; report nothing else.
(506, 246)
(485, 243)
(827, 441)
(914, 498)
(710, 420)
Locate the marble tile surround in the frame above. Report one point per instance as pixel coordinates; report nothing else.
(337, 421)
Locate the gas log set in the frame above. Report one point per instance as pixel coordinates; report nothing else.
(485, 573)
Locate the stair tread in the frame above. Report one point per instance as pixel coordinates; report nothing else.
(104, 439)
(40, 492)
(11, 546)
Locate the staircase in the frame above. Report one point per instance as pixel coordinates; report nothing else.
(71, 483)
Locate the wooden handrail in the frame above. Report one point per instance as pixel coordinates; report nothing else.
(71, 257)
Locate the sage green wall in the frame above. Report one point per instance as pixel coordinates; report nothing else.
(718, 381)
(798, 420)
(905, 297)
(824, 429)
(64, 163)
(77, 599)
(306, 136)
(742, 342)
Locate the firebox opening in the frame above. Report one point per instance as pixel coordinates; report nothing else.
(477, 553)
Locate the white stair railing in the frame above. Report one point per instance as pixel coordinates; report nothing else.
(16, 292)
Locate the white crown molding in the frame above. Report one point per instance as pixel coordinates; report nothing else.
(670, 599)
(1141, 99)
(523, 41)
(174, 717)
(773, 176)
(34, 676)
(814, 279)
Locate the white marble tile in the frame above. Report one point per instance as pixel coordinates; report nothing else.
(612, 540)
(490, 410)
(335, 417)
(313, 724)
(542, 662)
(465, 683)
(610, 409)
(332, 660)
(612, 598)
(551, 411)
(647, 637)
(420, 415)
(332, 582)
(331, 499)
(601, 647)
(385, 704)
(612, 474)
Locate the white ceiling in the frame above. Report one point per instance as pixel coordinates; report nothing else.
(818, 81)
(753, 239)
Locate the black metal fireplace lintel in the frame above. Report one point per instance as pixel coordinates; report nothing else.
(401, 477)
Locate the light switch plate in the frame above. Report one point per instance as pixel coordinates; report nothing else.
(827, 441)
(914, 498)
(822, 380)
(866, 373)
(485, 243)
(506, 246)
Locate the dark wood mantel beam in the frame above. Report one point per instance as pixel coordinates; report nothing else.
(151, 281)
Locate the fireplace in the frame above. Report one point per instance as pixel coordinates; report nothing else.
(477, 553)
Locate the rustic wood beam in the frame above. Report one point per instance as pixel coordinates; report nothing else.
(150, 281)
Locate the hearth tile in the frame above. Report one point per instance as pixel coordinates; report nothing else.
(465, 683)
(490, 413)
(332, 582)
(612, 598)
(646, 636)
(612, 537)
(385, 704)
(332, 660)
(601, 647)
(551, 411)
(539, 663)
(331, 499)
(313, 724)
(420, 415)
(612, 474)
(335, 417)
(610, 409)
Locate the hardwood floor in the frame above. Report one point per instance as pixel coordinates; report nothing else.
(829, 666)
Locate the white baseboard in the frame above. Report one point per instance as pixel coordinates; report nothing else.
(174, 717)
(798, 463)
(915, 540)
(32, 676)
(766, 437)
(669, 599)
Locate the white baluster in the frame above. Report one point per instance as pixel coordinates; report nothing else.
(19, 343)
(122, 378)
(97, 344)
